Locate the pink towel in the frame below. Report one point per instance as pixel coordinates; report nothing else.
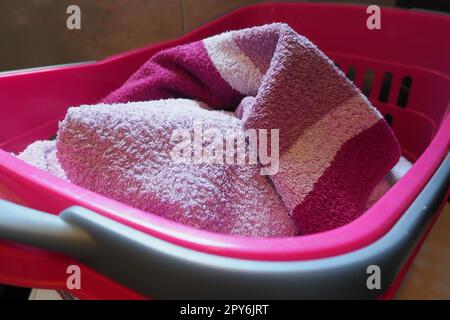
(124, 151)
(334, 146)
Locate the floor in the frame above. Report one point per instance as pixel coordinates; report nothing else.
(429, 275)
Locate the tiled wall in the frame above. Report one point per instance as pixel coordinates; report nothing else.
(33, 32)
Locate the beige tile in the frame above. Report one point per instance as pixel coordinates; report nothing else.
(34, 32)
(197, 12)
(43, 294)
(429, 275)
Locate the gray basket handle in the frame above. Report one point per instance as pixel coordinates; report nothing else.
(42, 230)
(159, 269)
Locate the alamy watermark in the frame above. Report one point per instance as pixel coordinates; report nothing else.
(73, 281)
(212, 146)
(73, 21)
(373, 22)
(374, 279)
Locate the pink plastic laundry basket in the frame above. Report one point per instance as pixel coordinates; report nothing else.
(404, 69)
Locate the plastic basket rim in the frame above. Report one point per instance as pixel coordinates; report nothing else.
(305, 247)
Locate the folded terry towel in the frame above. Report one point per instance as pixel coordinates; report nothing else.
(334, 146)
(123, 151)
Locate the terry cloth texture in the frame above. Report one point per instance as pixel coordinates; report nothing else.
(334, 145)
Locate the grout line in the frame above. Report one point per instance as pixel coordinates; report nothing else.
(183, 24)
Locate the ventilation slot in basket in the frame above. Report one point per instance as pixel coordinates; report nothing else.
(389, 119)
(403, 94)
(351, 73)
(368, 79)
(385, 87)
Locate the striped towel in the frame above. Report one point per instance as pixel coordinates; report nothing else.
(334, 145)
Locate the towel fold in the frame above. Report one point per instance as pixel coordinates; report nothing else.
(334, 147)
(123, 151)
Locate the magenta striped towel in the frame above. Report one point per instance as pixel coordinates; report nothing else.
(334, 145)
